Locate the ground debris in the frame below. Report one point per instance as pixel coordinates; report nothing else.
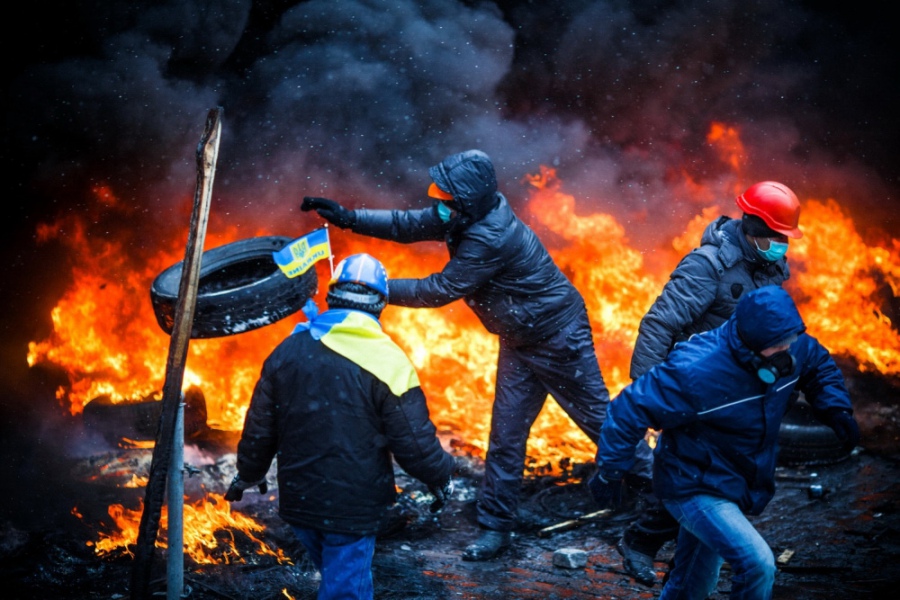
(844, 545)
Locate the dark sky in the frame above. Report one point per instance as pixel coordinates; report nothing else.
(355, 99)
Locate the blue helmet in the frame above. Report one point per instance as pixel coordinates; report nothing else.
(363, 269)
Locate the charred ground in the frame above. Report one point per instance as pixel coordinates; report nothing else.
(835, 527)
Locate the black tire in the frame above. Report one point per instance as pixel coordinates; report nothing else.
(803, 440)
(241, 289)
(139, 420)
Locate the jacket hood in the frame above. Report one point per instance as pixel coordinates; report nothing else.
(469, 176)
(725, 233)
(766, 316)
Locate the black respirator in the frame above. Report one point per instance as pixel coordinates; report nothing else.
(772, 367)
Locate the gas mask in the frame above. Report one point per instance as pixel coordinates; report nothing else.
(776, 250)
(775, 366)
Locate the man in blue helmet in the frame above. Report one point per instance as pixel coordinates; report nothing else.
(719, 398)
(503, 272)
(335, 402)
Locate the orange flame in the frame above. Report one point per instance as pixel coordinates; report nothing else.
(209, 532)
(106, 338)
(838, 278)
(727, 141)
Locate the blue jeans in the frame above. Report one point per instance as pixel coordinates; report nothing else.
(714, 530)
(344, 562)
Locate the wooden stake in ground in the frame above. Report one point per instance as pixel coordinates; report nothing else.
(207, 152)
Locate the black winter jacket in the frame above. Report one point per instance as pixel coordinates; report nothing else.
(334, 422)
(703, 291)
(497, 263)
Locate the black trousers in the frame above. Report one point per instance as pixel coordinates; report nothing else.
(564, 366)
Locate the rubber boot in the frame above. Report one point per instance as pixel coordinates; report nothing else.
(488, 545)
(637, 564)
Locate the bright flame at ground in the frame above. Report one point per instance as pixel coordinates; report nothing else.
(209, 532)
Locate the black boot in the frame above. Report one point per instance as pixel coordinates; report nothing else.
(488, 545)
(638, 565)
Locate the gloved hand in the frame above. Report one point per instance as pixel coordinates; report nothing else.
(606, 488)
(330, 211)
(441, 495)
(236, 490)
(844, 426)
(462, 467)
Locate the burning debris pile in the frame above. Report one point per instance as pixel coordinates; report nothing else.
(834, 528)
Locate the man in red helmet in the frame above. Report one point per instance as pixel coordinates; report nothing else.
(734, 257)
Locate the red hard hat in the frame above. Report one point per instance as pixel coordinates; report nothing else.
(775, 204)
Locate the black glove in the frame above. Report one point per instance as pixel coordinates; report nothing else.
(462, 467)
(236, 490)
(330, 211)
(606, 488)
(441, 495)
(844, 426)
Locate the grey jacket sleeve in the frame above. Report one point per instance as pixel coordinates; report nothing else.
(472, 267)
(689, 292)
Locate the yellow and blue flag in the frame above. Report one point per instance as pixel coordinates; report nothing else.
(297, 257)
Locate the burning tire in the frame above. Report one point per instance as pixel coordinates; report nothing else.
(139, 420)
(241, 289)
(803, 440)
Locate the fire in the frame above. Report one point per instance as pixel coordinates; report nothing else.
(727, 141)
(106, 339)
(210, 529)
(838, 281)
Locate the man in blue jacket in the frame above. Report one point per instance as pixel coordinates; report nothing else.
(719, 398)
(502, 271)
(734, 257)
(336, 401)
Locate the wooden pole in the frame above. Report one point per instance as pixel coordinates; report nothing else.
(207, 152)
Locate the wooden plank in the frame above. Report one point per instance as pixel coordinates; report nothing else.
(207, 153)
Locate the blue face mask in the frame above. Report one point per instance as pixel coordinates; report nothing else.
(444, 212)
(776, 250)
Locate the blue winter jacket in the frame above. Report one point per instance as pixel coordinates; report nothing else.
(720, 422)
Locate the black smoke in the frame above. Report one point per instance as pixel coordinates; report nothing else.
(355, 99)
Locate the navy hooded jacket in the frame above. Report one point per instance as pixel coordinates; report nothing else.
(720, 422)
(497, 263)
